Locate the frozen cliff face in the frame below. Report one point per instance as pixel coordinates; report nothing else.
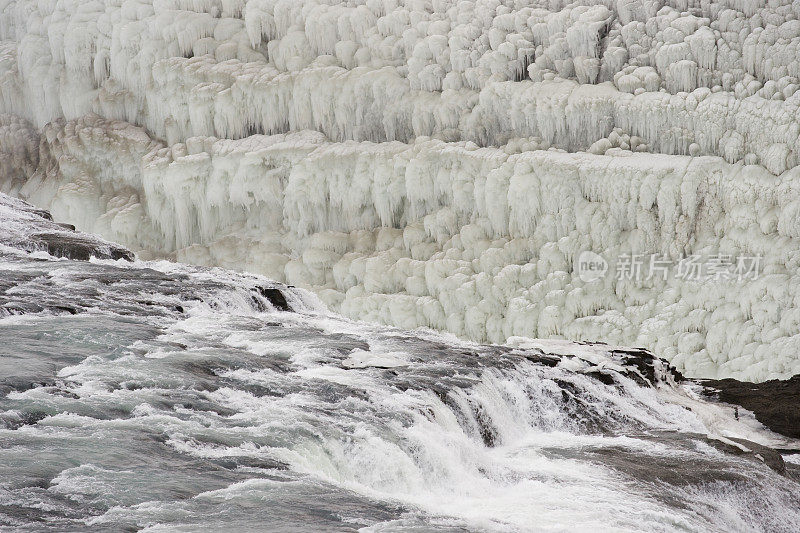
(712, 78)
(436, 163)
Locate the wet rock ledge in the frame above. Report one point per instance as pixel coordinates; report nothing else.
(31, 229)
(775, 403)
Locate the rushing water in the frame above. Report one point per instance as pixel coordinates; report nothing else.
(162, 397)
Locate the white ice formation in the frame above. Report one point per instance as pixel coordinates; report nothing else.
(435, 163)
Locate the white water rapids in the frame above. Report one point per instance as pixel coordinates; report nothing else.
(158, 397)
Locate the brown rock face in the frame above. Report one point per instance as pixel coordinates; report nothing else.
(775, 403)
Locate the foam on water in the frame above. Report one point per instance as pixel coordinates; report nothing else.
(230, 413)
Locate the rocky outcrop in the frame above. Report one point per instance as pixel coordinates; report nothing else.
(775, 403)
(32, 229)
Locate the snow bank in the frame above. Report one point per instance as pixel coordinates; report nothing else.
(434, 163)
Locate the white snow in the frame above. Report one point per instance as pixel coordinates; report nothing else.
(434, 163)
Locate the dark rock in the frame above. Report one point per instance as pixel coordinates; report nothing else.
(40, 213)
(542, 359)
(68, 309)
(24, 419)
(645, 364)
(22, 308)
(78, 247)
(604, 377)
(234, 462)
(32, 229)
(775, 403)
(274, 296)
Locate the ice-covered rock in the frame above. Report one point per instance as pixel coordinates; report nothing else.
(383, 70)
(477, 241)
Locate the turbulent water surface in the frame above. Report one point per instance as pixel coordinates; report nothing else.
(161, 397)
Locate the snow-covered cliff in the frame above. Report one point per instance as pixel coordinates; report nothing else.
(436, 163)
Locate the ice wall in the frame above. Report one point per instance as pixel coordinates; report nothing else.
(697, 78)
(434, 163)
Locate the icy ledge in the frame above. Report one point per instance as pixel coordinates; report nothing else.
(477, 241)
